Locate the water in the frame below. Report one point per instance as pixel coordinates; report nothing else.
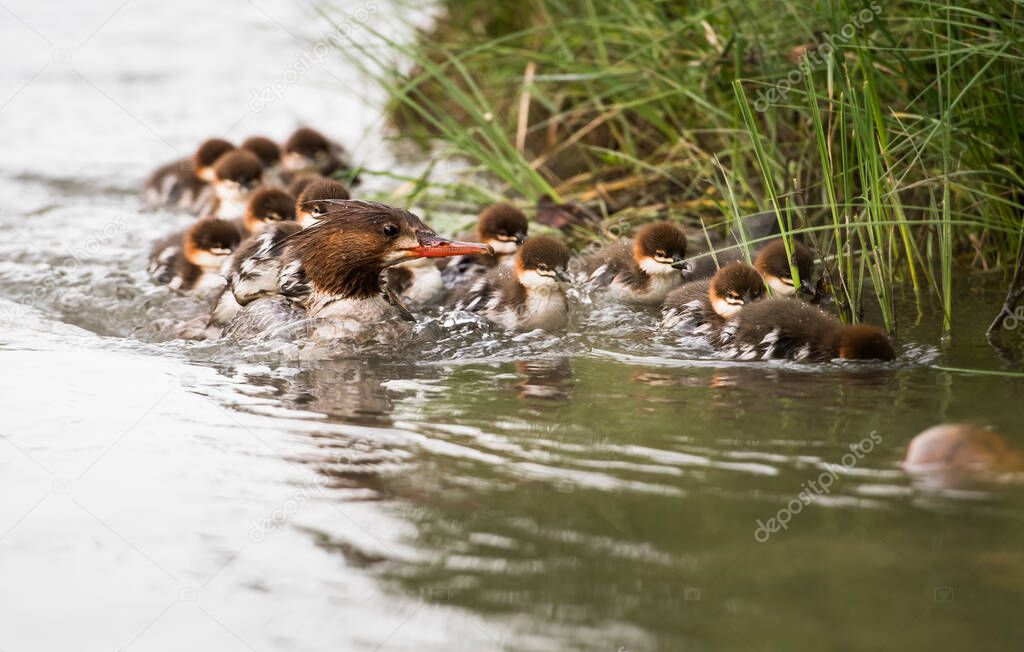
(599, 491)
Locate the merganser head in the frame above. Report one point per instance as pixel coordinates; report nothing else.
(502, 226)
(318, 199)
(301, 182)
(773, 264)
(236, 175)
(345, 253)
(306, 149)
(210, 242)
(207, 155)
(265, 150)
(733, 286)
(660, 248)
(267, 206)
(864, 342)
(542, 262)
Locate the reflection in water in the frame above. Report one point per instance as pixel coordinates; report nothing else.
(545, 379)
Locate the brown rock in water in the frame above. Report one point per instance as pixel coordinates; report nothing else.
(958, 454)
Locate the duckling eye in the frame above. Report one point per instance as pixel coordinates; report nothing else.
(734, 295)
(660, 253)
(390, 230)
(543, 267)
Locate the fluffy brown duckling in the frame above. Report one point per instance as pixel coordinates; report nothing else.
(236, 175)
(502, 226)
(794, 330)
(644, 271)
(703, 307)
(300, 182)
(332, 270)
(773, 264)
(307, 150)
(193, 259)
(317, 200)
(265, 149)
(268, 206)
(180, 183)
(527, 295)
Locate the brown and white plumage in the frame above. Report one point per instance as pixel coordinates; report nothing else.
(332, 270)
(236, 175)
(527, 295)
(794, 330)
(703, 307)
(181, 183)
(193, 259)
(645, 270)
(502, 226)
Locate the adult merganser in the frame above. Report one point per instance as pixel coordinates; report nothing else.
(308, 150)
(645, 271)
(192, 259)
(318, 200)
(180, 183)
(332, 270)
(504, 227)
(235, 176)
(528, 295)
(703, 307)
(794, 330)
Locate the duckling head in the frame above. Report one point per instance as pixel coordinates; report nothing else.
(660, 248)
(734, 286)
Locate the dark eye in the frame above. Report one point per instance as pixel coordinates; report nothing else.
(542, 267)
(660, 253)
(390, 230)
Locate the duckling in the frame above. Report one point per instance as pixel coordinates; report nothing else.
(502, 226)
(308, 150)
(300, 182)
(773, 264)
(317, 200)
(416, 282)
(791, 329)
(236, 175)
(267, 206)
(269, 154)
(528, 295)
(703, 307)
(644, 272)
(180, 183)
(770, 260)
(193, 259)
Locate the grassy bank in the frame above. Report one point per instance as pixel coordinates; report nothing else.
(886, 135)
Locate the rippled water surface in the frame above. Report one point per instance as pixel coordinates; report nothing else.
(472, 491)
